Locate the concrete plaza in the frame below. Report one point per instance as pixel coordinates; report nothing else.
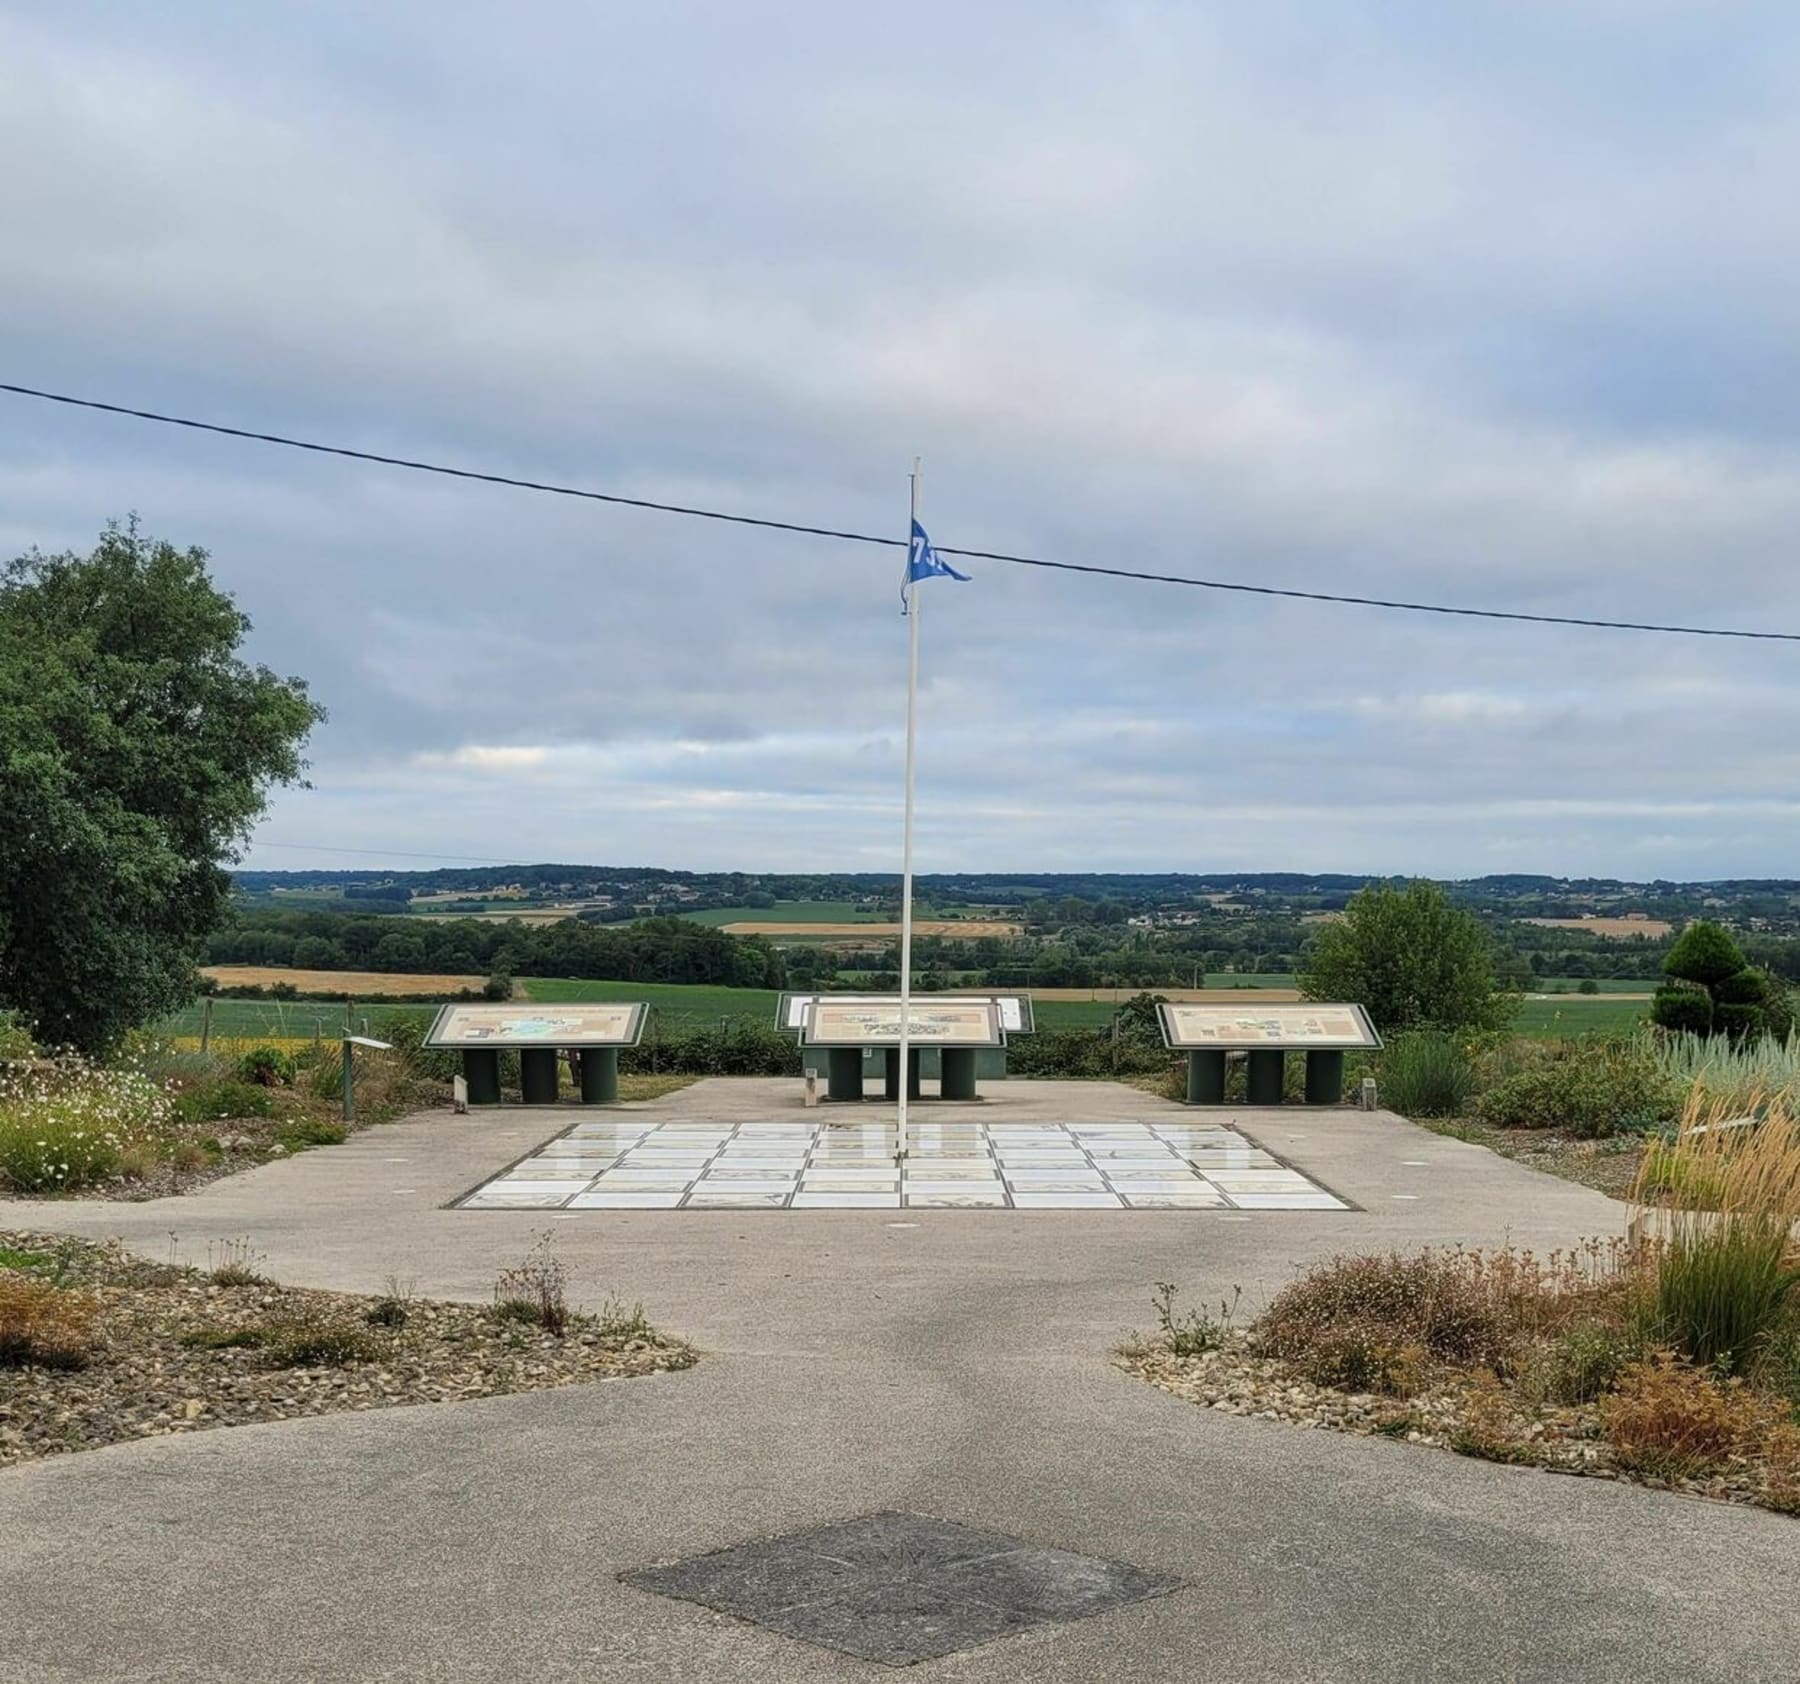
(951, 1363)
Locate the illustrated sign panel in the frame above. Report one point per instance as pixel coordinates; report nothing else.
(1229, 1028)
(528, 1025)
(876, 1023)
(1015, 1009)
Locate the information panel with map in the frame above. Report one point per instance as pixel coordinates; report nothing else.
(1015, 1009)
(831, 1022)
(525, 1024)
(1285, 1028)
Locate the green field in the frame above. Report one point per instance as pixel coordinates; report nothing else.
(681, 1005)
(244, 1020)
(1579, 1014)
(695, 1004)
(1602, 985)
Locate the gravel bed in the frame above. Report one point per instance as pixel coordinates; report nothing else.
(175, 1352)
(1463, 1413)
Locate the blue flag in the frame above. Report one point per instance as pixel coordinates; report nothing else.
(923, 562)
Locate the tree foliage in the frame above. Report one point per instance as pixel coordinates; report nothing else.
(1413, 959)
(136, 749)
(1713, 991)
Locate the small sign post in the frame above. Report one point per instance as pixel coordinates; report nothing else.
(351, 1043)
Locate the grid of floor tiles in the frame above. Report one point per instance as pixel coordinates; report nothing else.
(624, 1164)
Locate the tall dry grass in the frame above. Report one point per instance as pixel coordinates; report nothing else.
(1719, 1202)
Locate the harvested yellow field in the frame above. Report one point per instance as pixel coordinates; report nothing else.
(1606, 926)
(970, 927)
(338, 982)
(1191, 996)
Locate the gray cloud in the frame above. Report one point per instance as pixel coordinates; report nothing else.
(1490, 306)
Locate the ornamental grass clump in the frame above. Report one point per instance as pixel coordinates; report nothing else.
(1721, 1200)
(1427, 1073)
(66, 1123)
(43, 1325)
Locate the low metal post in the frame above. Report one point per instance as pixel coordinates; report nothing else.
(481, 1071)
(599, 1075)
(1324, 1078)
(1206, 1078)
(956, 1073)
(1264, 1082)
(206, 1023)
(843, 1073)
(349, 1081)
(537, 1075)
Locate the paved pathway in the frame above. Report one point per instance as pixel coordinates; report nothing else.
(949, 1362)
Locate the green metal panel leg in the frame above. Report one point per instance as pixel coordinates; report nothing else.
(843, 1073)
(481, 1070)
(599, 1075)
(1324, 1078)
(956, 1073)
(1206, 1078)
(537, 1075)
(1266, 1070)
(912, 1073)
(890, 1072)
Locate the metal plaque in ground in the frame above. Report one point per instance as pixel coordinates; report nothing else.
(901, 1588)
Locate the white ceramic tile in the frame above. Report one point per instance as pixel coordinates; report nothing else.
(958, 1200)
(1200, 1200)
(1287, 1201)
(1066, 1201)
(735, 1184)
(702, 1200)
(604, 1200)
(840, 1200)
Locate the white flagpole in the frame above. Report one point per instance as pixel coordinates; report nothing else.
(906, 857)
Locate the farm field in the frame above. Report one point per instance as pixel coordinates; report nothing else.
(967, 927)
(789, 911)
(340, 982)
(1603, 985)
(1613, 927)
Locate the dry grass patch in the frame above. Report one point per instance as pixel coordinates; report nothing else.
(341, 982)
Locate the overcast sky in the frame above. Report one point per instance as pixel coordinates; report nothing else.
(1491, 303)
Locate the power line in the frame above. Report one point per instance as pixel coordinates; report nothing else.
(1234, 585)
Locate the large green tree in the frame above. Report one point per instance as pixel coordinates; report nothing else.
(136, 750)
(1412, 958)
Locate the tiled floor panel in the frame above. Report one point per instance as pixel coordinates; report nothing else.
(621, 1163)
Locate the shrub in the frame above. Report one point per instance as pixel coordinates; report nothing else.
(1584, 1362)
(1682, 1010)
(1591, 1089)
(1194, 1332)
(1587, 985)
(1672, 1422)
(267, 1067)
(43, 1326)
(1376, 1316)
(317, 1339)
(303, 1132)
(407, 1034)
(1703, 953)
(224, 1338)
(535, 1291)
(1427, 1074)
(234, 1263)
(213, 1102)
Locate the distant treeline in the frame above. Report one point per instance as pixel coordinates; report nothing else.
(656, 950)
